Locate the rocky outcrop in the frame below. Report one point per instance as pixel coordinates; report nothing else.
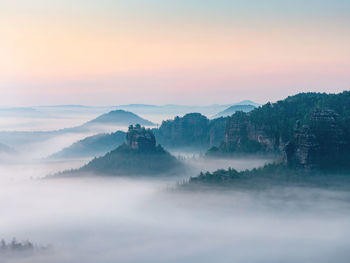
(311, 146)
(193, 130)
(323, 130)
(216, 131)
(140, 139)
(242, 135)
(319, 144)
(139, 156)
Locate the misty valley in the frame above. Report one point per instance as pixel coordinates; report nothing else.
(242, 182)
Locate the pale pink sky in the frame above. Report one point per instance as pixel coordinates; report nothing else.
(188, 52)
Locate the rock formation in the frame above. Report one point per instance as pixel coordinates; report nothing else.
(139, 156)
(242, 135)
(216, 131)
(140, 139)
(319, 144)
(193, 130)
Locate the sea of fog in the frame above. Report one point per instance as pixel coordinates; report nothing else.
(119, 219)
(109, 219)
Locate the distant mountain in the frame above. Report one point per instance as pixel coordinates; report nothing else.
(191, 131)
(138, 106)
(73, 110)
(233, 109)
(104, 123)
(6, 149)
(139, 156)
(119, 117)
(172, 109)
(112, 118)
(66, 106)
(247, 102)
(91, 146)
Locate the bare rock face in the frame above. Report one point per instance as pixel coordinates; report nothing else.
(194, 131)
(139, 156)
(216, 131)
(317, 145)
(236, 129)
(190, 130)
(141, 139)
(258, 134)
(305, 150)
(243, 134)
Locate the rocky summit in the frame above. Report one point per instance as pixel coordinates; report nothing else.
(139, 156)
(319, 144)
(140, 139)
(193, 130)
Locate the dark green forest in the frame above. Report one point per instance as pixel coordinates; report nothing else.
(276, 122)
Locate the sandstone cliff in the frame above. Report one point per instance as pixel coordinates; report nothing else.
(243, 135)
(319, 144)
(140, 139)
(193, 130)
(271, 127)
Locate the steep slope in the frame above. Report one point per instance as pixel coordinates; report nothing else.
(91, 146)
(321, 144)
(193, 130)
(139, 156)
(271, 127)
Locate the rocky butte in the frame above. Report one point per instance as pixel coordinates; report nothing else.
(140, 139)
(139, 156)
(192, 131)
(319, 144)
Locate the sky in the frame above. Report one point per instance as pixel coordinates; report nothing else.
(110, 52)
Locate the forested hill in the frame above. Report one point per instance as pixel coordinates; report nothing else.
(279, 118)
(91, 146)
(193, 130)
(140, 155)
(271, 126)
(266, 128)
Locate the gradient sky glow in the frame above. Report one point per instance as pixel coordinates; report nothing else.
(161, 51)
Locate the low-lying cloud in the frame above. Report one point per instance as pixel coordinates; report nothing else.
(108, 219)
